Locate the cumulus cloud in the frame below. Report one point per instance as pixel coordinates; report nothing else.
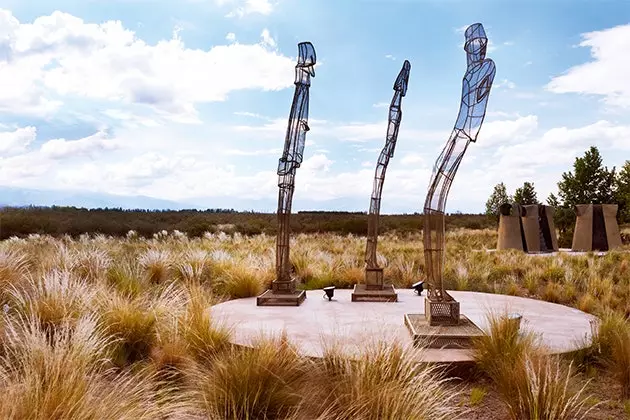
(24, 163)
(17, 141)
(498, 132)
(606, 74)
(87, 146)
(62, 55)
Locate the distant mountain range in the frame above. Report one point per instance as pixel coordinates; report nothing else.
(19, 197)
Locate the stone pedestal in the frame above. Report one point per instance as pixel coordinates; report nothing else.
(459, 336)
(282, 293)
(374, 278)
(374, 289)
(385, 293)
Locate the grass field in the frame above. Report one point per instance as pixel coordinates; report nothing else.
(105, 328)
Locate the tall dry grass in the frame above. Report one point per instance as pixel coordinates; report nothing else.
(267, 381)
(531, 383)
(382, 382)
(67, 377)
(145, 303)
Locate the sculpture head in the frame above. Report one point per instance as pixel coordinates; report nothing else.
(476, 43)
(306, 58)
(402, 80)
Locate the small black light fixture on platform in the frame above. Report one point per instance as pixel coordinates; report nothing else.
(329, 292)
(418, 287)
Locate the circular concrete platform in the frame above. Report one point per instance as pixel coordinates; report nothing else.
(354, 325)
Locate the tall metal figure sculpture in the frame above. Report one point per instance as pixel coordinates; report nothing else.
(476, 86)
(283, 288)
(374, 288)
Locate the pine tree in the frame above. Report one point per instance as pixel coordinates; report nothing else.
(552, 200)
(622, 194)
(591, 182)
(498, 197)
(526, 194)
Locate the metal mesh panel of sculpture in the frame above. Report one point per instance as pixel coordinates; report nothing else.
(476, 86)
(283, 288)
(374, 273)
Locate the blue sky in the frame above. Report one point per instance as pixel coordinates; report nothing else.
(187, 100)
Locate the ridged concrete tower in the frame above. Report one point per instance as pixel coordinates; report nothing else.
(596, 228)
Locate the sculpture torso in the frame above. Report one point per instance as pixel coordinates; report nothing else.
(475, 91)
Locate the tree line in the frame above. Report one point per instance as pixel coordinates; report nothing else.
(58, 221)
(590, 182)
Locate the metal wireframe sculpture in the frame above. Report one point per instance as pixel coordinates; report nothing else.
(291, 159)
(395, 116)
(476, 86)
(374, 289)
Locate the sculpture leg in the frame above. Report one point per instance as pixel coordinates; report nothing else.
(372, 238)
(283, 280)
(434, 251)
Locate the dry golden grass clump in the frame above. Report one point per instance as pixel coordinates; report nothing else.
(66, 377)
(382, 382)
(611, 348)
(264, 382)
(531, 383)
(55, 298)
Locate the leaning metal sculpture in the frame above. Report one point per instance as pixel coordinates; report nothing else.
(477, 82)
(374, 289)
(283, 288)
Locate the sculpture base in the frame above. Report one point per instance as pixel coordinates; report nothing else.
(441, 312)
(363, 293)
(281, 298)
(374, 278)
(458, 336)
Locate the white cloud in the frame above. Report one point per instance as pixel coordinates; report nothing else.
(130, 119)
(62, 148)
(504, 83)
(263, 7)
(315, 163)
(61, 55)
(380, 105)
(390, 57)
(412, 159)
(267, 39)
(606, 74)
(536, 157)
(25, 165)
(231, 37)
(250, 114)
(17, 141)
(506, 131)
(247, 152)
